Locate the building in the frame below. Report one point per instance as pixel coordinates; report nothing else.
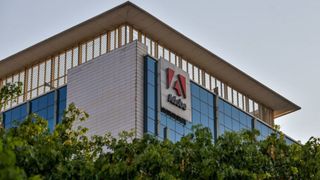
(129, 70)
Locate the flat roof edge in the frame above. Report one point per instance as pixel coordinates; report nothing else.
(199, 55)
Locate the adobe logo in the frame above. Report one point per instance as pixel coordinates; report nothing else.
(175, 90)
(179, 85)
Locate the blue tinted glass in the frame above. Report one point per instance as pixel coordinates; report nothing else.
(50, 112)
(221, 118)
(151, 96)
(221, 129)
(179, 127)
(203, 95)
(204, 120)
(50, 98)
(51, 124)
(151, 78)
(59, 118)
(228, 122)
(163, 119)
(151, 114)
(187, 131)
(227, 109)
(170, 123)
(195, 103)
(243, 118)
(210, 99)
(249, 121)
(34, 105)
(62, 93)
(195, 117)
(7, 116)
(204, 108)
(211, 112)
(151, 126)
(23, 111)
(151, 65)
(235, 113)
(221, 105)
(7, 119)
(211, 126)
(188, 125)
(235, 125)
(161, 132)
(178, 137)
(43, 113)
(62, 106)
(195, 90)
(42, 102)
(171, 135)
(15, 114)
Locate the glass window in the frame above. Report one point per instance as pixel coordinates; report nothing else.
(190, 70)
(235, 113)
(96, 47)
(112, 40)
(75, 57)
(160, 51)
(172, 58)
(153, 48)
(148, 43)
(184, 65)
(135, 34)
(195, 90)
(166, 54)
(104, 43)
(200, 77)
(35, 77)
(123, 35)
(207, 80)
(196, 74)
(62, 65)
(218, 85)
(195, 102)
(89, 50)
(240, 100)
(69, 59)
(227, 109)
(84, 53)
(250, 106)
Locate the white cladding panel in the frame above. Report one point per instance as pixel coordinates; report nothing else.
(110, 89)
(176, 104)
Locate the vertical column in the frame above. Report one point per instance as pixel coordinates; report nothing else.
(28, 103)
(55, 106)
(165, 133)
(216, 114)
(158, 93)
(253, 123)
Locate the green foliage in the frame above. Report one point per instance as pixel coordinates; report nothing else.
(10, 91)
(31, 151)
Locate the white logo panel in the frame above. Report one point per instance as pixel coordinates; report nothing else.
(175, 90)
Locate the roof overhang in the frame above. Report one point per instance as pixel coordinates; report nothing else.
(158, 31)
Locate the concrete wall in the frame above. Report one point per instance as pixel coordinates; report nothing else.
(110, 89)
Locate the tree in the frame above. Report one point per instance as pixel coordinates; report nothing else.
(31, 151)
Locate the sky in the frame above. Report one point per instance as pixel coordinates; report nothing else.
(276, 41)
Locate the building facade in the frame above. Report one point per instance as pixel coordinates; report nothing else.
(129, 70)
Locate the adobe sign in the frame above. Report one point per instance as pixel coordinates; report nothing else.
(175, 90)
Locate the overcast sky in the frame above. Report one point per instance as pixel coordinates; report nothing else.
(276, 41)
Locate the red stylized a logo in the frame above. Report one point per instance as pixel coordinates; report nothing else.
(179, 85)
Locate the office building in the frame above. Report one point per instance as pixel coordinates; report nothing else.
(129, 70)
